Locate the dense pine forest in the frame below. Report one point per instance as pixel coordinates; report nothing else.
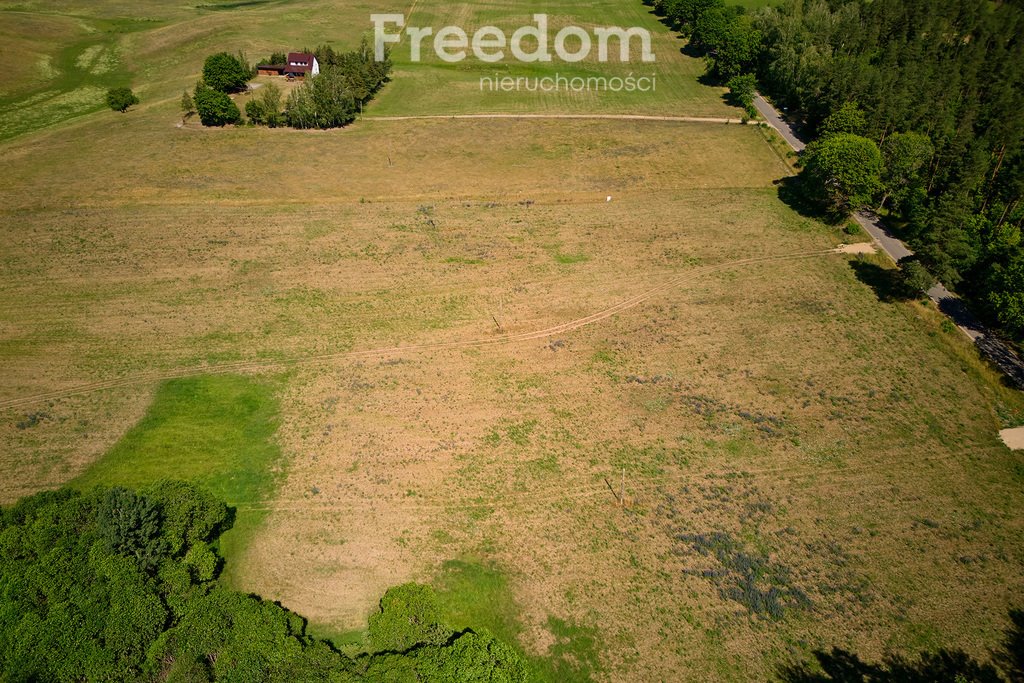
(937, 86)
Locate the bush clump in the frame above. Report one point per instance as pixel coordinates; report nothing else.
(120, 99)
(214, 107)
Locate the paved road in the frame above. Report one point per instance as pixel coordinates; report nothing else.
(882, 237)
(988, 344)
(785, 130)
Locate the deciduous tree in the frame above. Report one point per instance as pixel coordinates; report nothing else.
(215, 108)
(120, 99)
(843, 169)
(226, 72)
(905, 156)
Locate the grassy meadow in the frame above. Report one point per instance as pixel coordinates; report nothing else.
(668, 436)
(68, 54)
(216, 430)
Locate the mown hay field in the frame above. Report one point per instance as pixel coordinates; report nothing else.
(676, 436)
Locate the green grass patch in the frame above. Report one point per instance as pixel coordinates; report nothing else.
(574, 654)
(432, 86)
(569, 259)
(477, 596)
(71, 80)
(461, 260)
(215, 430)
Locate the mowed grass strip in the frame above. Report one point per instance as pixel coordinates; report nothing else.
(215, 430)
(430, 85)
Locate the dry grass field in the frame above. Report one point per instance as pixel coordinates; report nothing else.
(473, 355)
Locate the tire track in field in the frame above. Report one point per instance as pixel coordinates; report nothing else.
(239, 366)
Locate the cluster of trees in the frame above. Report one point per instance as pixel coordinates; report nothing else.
(726, 36)
(265, 108)
(118, 585)
(333, 98)
(917, 108)
(347, 81)
(223, 74)
(941, 93)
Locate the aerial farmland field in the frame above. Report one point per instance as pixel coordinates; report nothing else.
(589, 378)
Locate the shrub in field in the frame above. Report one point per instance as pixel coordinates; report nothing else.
(187, 106)
(215, 108)
(120, 99)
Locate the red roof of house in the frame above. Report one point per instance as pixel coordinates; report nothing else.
(299, 62)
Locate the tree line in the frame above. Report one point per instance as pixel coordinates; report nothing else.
(917, 109)
(122, 585)
(331, 99)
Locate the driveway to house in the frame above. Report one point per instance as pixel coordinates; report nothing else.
(990, 346)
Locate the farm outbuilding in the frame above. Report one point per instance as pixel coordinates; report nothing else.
(298, 65)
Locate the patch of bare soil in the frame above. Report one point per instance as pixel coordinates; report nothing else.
(1013, 438)
(858, 248)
